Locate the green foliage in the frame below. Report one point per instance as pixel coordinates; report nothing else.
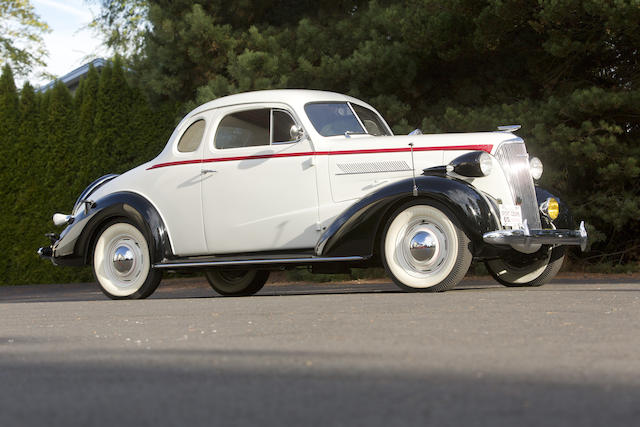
(21, 30)
(588, 142)
(567, 70)
(122, 24)
(57, 145)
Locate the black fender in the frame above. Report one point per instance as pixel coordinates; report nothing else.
(564, 221)
(76, 241)
(355, 231)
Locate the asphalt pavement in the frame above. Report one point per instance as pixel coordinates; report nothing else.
(357, 354)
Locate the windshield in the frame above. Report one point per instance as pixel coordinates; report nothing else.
(338, 118)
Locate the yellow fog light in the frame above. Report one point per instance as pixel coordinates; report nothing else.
(550, 208)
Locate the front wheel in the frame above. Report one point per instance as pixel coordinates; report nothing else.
(425, 249)
(237, 283)
(122, 262)
(521, 270)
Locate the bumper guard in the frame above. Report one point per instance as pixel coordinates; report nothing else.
(46, 252)
(527, 237)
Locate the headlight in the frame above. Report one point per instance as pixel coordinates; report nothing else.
(486, 163)
(474, 164)
(535, 166)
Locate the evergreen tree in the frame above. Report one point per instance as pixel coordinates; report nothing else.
(26, 232)
(112, 142)
(9, 121)
(86, 124)
(87, 110)
(9, 112)
(61, 146)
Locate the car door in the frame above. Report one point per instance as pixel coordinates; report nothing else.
(259, 186)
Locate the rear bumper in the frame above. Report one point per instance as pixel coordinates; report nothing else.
(528, 237)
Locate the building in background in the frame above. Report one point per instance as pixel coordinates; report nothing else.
(72, 79)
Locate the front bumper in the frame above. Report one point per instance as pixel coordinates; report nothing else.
(46, 252)
(527, 237)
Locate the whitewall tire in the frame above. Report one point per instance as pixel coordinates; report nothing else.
(424, 248)
(122, 262)
(237, 283)
(519, 270)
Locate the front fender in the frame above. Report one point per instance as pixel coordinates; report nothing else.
(564, 220)
(354, 232)
(75, 243)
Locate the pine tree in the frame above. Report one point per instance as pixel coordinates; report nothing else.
(61, 146)
(112, 142)
(9, 113)
(30, 220)
(86, 124)
(9, 122)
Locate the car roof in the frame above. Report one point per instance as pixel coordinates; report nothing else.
(294, 97)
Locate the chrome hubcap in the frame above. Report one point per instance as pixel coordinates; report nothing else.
(423, 246)
(123, 259)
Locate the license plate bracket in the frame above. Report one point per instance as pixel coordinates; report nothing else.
(511, 216)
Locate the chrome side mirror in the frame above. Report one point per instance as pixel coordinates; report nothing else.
(296, 132)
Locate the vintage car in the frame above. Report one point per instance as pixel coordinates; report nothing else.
(269, 180)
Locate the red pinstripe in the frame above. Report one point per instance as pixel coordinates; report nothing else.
(486, 148)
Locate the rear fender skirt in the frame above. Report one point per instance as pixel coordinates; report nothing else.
(77, 239)
(354, 232)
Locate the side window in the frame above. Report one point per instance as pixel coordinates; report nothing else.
(190, 139)
(243, 129)
(282, 123)
(370, 120)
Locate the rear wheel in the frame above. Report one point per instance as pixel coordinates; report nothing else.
(424, 248)
(122, 262)
(237, 282)
(521, 270)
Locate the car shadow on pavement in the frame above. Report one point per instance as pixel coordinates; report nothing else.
(173, 387)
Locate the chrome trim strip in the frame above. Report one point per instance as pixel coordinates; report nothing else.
(363, 173)
(208, 263)
(372, 167)
(364, 129)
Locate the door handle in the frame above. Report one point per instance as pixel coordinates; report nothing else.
(206, 171)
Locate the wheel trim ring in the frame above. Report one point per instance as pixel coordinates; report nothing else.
(104, 250)
(404, 256)
(432, 215)
(124, 279)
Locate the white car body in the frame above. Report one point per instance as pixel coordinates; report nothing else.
(232, 209)
(220, 204)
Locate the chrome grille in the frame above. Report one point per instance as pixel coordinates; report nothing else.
(514, 160)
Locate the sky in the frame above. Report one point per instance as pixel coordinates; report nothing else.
(68, 43)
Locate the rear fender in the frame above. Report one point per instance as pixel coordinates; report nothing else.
(564, 221)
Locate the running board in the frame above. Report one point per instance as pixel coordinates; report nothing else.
(192, 263)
